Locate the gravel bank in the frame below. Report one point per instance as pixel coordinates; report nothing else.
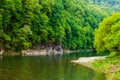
(88, 59)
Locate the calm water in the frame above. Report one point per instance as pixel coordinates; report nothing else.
(46, 68)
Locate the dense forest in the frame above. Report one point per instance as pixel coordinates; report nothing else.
(26, 24)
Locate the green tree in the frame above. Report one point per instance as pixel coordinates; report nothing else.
(107, 36)
(22, 39)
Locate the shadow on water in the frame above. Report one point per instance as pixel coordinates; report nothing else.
(54, 67)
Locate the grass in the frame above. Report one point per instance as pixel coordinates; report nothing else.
(110, 66)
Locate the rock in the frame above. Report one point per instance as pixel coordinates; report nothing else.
(1, 51)
(58, 50)
(49, 50)
(34, 52)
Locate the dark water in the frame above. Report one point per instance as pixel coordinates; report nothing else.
(46, 68)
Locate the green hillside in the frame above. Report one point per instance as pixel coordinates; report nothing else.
(26, 24)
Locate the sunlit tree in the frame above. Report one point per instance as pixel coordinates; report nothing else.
(107, 36)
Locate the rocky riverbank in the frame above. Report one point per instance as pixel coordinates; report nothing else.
(40, 52)
(34, 52)
(37, 52)
(45, 51)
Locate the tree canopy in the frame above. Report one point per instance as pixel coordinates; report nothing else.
(28, 23)
(107, 36)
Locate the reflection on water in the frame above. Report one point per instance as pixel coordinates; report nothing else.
(46, 68)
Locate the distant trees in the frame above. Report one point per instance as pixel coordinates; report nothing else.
(110, 5)
(27, 23)
(107, 36)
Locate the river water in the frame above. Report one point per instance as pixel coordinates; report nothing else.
(51, 67)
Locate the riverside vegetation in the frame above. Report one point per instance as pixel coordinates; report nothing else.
(107, 38)
(32, 24)
(27, 24)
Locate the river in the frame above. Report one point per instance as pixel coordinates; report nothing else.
(51, 67)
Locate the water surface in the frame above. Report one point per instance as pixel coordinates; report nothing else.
(47, 68)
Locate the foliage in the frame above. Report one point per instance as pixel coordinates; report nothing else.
(110, 65)
(28, 23)
(107, 36)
